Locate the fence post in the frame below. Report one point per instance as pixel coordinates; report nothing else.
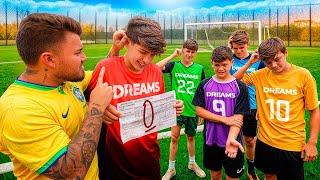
(116, 21)
(288, 27)
(238, 19)
(310, 25)
(183, 26)
(106, 27)
(6, 14)
(17, 16)
(164, 26)
(277, 22)
(171, 28)
(269, 18)
(253, 16)
(95, 27)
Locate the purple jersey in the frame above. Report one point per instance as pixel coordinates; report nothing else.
(222, 98)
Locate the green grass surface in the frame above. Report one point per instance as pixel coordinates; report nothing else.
(302, 56)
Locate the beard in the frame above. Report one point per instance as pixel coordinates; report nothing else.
(65, 76)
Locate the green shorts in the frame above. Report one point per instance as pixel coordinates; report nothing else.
(190, 124)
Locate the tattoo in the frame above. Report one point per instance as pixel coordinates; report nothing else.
(45, 75)
(81, 150)
(95, 111)
(31, 71)
(87, 153)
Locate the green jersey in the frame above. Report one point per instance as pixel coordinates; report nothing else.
(185, 81)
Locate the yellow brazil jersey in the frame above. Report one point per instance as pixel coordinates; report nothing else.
(38, 122)
(281, 102)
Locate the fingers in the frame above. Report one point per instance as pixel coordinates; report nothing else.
(101, 75)
(241, 147)
(178, 52)
(179, 107)
(111, 114)
(302, 154)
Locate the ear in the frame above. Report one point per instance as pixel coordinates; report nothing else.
(48, 59)
(126, 44)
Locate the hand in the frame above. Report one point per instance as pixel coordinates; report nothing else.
(179, 107)
(200, 121)
(101, 95)
(119, 39)
(309, 152)
(235, 120)
(111, 114)
(232, 147)
(254, 57)
(177, 52)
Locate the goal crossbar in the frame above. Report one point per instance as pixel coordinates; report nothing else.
(225, 22)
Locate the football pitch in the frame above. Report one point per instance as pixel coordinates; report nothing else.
(11, 66)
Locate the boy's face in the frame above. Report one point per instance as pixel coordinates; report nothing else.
(278, 64)
(241, 51)
(222, 69)
(188, 54)
(137, 57)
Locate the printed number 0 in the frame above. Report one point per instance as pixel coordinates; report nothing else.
(275, 109)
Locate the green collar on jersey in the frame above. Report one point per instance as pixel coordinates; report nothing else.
(38, 86)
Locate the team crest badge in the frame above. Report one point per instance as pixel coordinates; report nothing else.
(76, 91)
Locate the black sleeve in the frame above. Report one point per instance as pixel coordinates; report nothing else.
(168, 67)
(198, 99)
(261, 65)
(203, 76)
(242, 102)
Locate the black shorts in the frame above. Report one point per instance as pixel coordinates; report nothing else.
(285, 164)
(249, 128)
(214, 158)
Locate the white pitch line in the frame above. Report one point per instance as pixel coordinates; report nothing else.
(6, 167)
(10, 62)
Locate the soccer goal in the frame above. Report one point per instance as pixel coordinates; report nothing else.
(213, 34)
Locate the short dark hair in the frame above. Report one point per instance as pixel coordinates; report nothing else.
(221, 53)
(191, 44)
(40, 32)
(239, 37)
(147, 33)
(269, 48)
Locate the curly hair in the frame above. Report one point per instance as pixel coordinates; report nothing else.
(191, 44)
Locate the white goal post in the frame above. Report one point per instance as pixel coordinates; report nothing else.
(203, 25)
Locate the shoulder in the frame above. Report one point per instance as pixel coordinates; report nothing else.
(154, 68)
(240, 83)
(110, 62)
(206, 81)
(198, 65)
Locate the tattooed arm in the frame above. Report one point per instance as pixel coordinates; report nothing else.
(75, 163)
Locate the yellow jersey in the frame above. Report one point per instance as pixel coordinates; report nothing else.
(37, 124)
(281, 102)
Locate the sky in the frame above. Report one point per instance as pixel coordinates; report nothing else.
(174, 4)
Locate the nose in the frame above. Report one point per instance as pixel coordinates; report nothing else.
(83, 57)
(147, 59)
(273, 64)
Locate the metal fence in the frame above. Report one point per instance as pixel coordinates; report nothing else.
(298, 25)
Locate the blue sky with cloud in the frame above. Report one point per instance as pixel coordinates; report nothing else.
(174, 4)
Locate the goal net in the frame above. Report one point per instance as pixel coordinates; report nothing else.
(213, 34)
